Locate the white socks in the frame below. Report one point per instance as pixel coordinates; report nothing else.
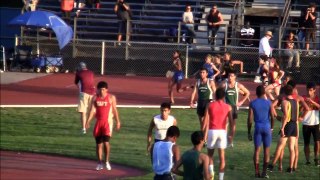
(221, 175)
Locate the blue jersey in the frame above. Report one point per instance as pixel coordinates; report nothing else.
(210, 70)
(261, 112)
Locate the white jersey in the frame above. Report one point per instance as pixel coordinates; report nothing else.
(311, 118)
(161, 126)
(162, 157)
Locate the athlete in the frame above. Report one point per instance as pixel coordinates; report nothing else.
(177, 76)
(104, 108)
(195, 164)
(311, 124)
(215, 128)
(160, 123)
(204, 88)
(233, 89)
(261, 110)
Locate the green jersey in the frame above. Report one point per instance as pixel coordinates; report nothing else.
(232, 94)
(204, 90)
(192, 170)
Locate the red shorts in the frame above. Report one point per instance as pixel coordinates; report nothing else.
(101, 129)
(276, 84)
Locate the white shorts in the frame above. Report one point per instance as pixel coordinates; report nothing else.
(85, 102)
(217, 139)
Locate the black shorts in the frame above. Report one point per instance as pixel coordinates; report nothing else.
(166, 176)
(290, 129)
(201, 107)
(234, 112)
(308, 130)
(123, 27)
(101, 139)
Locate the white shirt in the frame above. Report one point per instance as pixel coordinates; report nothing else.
(264, 46)
(187, 17)
(161, 126)
(311, 118)
(162, 157)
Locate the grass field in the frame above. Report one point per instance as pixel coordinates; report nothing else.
(57, 131)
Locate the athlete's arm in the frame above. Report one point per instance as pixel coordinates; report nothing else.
(92, 112)
(193, 95)
(213, 86)
(231, 125)
(249, 123)
(115, 111)
(205, 163)
(175, 168)
(304, 106)
(284, 107)
(246, 94)
(205, 125)
(149, 135)
(216, 70)
(175, 153)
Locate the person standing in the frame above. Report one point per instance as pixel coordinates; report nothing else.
(215, 128)
(195, 164)
(233, 89)
(311, 124)
(124, 15)
(84, 79)
(188, 21)
(214, 20)
(261, 110)
(311, 28)
(204, 89)
(160, 123)
(165, 154)
(264, 46)
(104, 108)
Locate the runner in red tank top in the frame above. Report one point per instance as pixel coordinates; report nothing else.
(104, 108)
(215, 128)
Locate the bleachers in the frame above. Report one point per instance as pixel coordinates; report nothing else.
(152, 19)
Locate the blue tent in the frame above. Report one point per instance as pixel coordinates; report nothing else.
(44, 19)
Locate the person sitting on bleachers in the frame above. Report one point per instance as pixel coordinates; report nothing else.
(189, 23)
(290, 43)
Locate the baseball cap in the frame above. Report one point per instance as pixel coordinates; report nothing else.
(82, 65)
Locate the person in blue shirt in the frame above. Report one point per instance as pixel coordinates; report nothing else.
(261, 111)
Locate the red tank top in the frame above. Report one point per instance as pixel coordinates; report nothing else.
(218, 113)
(103, 106)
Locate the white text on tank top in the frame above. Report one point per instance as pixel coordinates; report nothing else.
(204, 88)
(231, 92)
(162, 157)
(162, 126)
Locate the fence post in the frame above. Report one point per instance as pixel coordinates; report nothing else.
(4, 58)
(179, 32)
(127, 40)
(226, 36)
(102, 57)
(187, 62)
(16, 41)
(74, 37)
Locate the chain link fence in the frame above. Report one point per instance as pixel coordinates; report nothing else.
(154, 59)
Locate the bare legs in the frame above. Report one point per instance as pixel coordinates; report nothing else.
(103, 148)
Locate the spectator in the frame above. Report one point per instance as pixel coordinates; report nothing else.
(67, 7)
(189, 23)
(291, 53)
(311, 18)
(124, 15)
(84, 79)
(79, 4)
(247, 34)
(264, 46)
(214, 20)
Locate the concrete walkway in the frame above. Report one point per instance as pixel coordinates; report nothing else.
(14, 77)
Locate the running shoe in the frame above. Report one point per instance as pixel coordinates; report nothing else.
(108, 167)
(99, 167)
